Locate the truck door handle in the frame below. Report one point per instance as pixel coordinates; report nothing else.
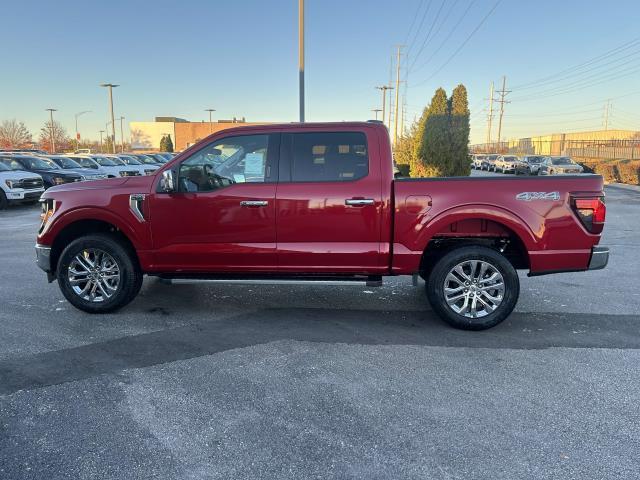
(359, 202)
(254, 203)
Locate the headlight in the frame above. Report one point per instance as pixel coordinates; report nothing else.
(58, 180)
(10, 184)
(48, 209)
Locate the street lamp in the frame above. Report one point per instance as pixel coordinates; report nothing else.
(301, 57)
(53, 141)
(101, 132)
(111, 86)
(77, 132)
(376, 110)
(121, 134)
(210, 110)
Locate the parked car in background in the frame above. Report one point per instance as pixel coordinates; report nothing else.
(489, 162)
(132, 161)
(476, 161)
(17, 186)
(51, 173)
(71, 165)
(505, 164)
(111, 166)
(529, 164)
(159, 158)
(559, 166)
(146, 159)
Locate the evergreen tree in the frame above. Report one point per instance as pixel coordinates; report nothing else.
(163, 143)
(432, 145)
(169, 144)
(459, 133)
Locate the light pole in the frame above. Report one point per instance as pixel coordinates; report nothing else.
(77, 132)
(384, 89)
(101, 132)
(111, 86)
(51, 136)
(121, 134)
(210, 110)
(301, 55)
(376, 110)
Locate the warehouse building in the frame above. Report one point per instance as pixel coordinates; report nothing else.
(146, 136)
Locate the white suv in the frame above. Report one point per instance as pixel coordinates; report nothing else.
(506, 163)
(17, 186)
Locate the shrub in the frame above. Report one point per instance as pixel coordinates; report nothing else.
(629, 171)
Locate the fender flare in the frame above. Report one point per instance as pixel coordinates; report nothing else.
(94, 213)
(484, 211)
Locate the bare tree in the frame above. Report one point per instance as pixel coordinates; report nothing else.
(60, 136)
(14, 134)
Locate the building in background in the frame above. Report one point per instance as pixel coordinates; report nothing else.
(146, 136)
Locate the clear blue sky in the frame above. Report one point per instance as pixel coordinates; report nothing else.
(240, 57)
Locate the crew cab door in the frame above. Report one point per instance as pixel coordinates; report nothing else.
(329, 202)
(222, 216)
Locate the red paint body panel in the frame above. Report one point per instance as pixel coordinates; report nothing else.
(308, 228)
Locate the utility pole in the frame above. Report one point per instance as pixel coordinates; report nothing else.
(607, 111)
(111, 86)
(503, 93)
(301, 56)
(77, 132)
(397, 102)
(210, 110)
(376, 110)
(121, 134)
(51, 135)
(101, 149)
(384, 89)
(490, 116)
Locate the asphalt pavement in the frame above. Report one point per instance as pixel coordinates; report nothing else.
(228, 381)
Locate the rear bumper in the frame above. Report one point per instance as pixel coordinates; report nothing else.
(570, 261)
(599, 258)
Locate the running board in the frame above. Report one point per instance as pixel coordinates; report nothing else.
(369, 281)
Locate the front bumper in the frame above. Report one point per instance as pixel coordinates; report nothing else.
(43, 260)
(24, 195)
(599, 258)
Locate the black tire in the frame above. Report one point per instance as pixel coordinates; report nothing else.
(130, 276)
(3, 200)
(436, 284)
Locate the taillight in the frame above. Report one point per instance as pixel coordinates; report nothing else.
(591, 212)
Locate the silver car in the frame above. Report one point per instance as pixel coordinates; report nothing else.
(559, 166)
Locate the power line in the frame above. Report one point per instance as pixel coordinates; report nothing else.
(413, 21)
(455, 27)
(415, 36)
(624, 46)
(428, 36)
(484, 19)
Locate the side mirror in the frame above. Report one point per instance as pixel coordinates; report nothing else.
(167, 183)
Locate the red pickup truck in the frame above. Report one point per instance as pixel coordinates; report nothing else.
(318, 202)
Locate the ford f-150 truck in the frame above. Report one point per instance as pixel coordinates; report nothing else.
(316, 202)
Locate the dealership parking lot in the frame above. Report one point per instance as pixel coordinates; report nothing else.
(231, 381)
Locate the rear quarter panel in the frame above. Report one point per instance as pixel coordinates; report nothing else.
(549, 230)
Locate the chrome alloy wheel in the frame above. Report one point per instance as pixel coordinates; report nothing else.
(474, 288)
(94, 275)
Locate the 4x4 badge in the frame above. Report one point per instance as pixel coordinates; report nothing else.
(528, 196)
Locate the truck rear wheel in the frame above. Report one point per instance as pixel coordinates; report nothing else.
(98, 274)
(473, 288)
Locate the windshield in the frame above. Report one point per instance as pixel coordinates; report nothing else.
(11, 163)
(3, 167)
(510, 159)
(492, 157)
(105, 162)
(130, 160)
(562, 161)
(534, 159)
(147, 160)
(34, 163)
(65, 162)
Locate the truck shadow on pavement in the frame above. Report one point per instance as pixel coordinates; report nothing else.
(520, 331)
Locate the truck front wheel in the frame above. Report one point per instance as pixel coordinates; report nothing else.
(473, 288)
(98, 274)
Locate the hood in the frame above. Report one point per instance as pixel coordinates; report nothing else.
(57, 172)
(136, 183)
(17, 175)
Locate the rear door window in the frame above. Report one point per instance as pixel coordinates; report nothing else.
(328, 156)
